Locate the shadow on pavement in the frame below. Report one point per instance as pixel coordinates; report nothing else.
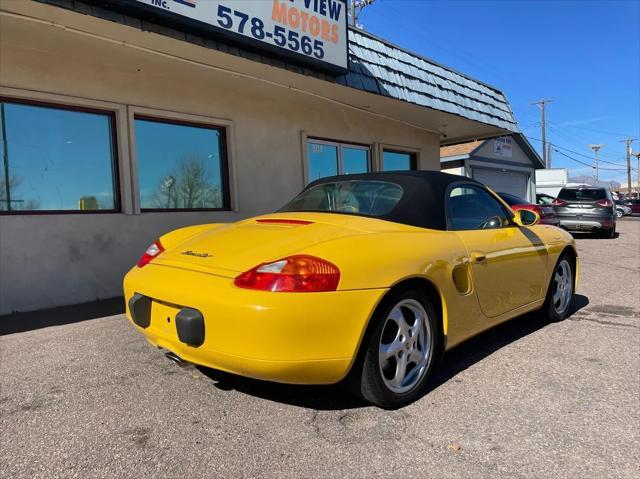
(335, 397)
(21, 322)
(581, 235)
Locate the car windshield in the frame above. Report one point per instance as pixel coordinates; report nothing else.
(588, 194)
(544, 200)
(512, 199)
(367, 198)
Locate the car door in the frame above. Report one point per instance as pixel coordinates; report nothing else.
(508, 262)
(634, 205)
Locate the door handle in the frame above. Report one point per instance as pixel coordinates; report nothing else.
(478, 257)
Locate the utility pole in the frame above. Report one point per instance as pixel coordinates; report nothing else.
(353, 13)
(549, 153)
(356, 9)
(596, 148)
(543, 104)
(628, 141)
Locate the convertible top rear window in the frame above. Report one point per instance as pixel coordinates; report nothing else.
(358, 197)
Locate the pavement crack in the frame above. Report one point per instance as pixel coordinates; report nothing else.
(314, 422)
(611, 266)
(602, 322)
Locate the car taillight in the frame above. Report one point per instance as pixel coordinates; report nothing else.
(295, 274)
(152, 251)
(558, 202)
(606, 203)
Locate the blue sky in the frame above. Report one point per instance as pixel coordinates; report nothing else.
(585, 55)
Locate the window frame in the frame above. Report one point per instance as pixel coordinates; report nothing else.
(461, 184)
(413, 157)
(115, 160)
(339, 145)
(225, 174)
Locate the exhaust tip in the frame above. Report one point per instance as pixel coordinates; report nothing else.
(178, 360)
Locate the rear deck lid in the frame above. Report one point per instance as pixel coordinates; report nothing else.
(238, 247)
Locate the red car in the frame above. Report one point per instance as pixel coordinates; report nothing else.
(546, 212)
(634, 204)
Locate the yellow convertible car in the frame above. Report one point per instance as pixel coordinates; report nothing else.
(365, 279)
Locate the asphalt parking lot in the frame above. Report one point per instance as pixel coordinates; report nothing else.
(93, 399)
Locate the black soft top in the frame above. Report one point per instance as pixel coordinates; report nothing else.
(423, 201)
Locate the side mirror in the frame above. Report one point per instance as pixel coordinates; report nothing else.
(526, 217)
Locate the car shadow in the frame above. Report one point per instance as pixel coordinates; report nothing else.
(335, 397)
(591, 236)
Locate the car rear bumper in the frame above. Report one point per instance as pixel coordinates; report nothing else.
(587, 224)
(303, 338)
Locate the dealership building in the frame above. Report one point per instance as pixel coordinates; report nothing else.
(124, 119)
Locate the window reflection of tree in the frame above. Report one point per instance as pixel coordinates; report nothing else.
(188, 185)
(14, 204)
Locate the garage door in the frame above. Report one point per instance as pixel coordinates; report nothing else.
(512, 182)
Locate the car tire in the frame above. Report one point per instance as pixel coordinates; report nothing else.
(399, 354)
(619, 213)
(561, 290)
(610, 234)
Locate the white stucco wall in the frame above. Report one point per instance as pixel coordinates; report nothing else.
(51, 260)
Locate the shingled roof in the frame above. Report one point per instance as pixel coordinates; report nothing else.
(374, 65)
(380, 67)
(459, 149)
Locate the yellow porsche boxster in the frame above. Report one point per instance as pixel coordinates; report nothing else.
(365, 279)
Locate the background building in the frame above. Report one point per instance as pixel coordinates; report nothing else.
(124, 120)
(506, 164)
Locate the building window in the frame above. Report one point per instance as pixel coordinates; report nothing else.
(181, 166)
(327, 158)
(56, 159)
(393, 160)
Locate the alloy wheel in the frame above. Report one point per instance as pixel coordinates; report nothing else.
(563, 287)
(406, 346)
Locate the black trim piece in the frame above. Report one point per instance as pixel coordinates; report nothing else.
(190, 326)
(140, 310)
(451, 164)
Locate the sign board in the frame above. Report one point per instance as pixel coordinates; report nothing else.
(311, 30)
(503, 147)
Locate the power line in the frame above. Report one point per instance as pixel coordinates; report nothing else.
(585, 163)
(594, 129)
(562, 134)
(575, 152)
(557, 149)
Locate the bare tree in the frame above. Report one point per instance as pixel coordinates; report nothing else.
(16, 204)
(189, 185)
